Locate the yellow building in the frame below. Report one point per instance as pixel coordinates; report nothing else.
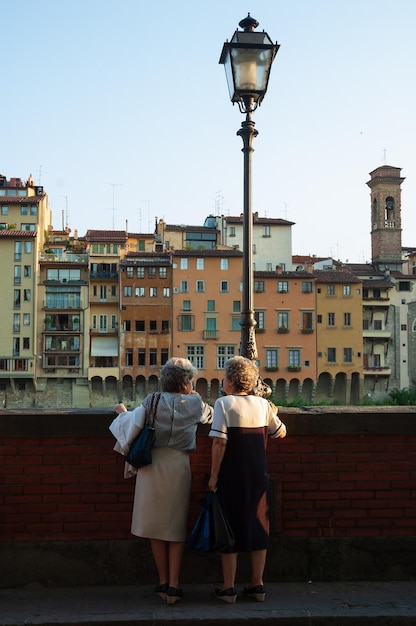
(25, 216)
(339, 336)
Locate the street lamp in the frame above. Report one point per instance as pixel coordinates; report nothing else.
(247, 60)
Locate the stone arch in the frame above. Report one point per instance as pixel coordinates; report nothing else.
(280, 390)
(202, 388)
(324, 386)
(153, 384)
(340, 388)
(216, 389)
(356, 393)
(127, 388)
(294, 389)
(308, 389)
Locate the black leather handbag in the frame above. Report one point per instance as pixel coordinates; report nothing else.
(140, 453)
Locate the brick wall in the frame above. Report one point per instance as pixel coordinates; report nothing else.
(342, 473)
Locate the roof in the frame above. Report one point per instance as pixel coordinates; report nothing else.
(208, 252)
(22, 199)
(190, 229)
(18, 233)
(282, 275)
(270, 221)
(100, 236)
(336, 276)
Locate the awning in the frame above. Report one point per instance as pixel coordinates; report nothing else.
(104, 346)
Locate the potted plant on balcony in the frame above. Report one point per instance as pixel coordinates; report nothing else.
(293, 368)
(282, 330)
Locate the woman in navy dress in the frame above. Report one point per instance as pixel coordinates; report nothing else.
(242, 422)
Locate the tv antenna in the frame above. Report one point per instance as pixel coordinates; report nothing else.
(114, 185)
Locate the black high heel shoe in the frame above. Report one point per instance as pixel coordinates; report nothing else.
(162, 590)
(174, 595)
(227, 595)
(257, 593)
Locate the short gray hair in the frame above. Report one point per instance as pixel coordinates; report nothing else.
(175, 373)
(242, 373)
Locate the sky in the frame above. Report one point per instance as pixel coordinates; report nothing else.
(121, 111)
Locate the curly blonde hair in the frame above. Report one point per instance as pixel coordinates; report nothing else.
(242, 373)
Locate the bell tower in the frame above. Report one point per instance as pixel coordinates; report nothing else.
(386, 221)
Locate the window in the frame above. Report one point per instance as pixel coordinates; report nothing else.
(129, 357)
(210, 323)
(330, 290)
(162, 272)
(211, 305)
(294, 357)
(376, 293)
(151, 271)
(28, 247)
(186, 305)
(128, 292)
(165, 326)
(152, 325)
(33, 210)
(23, 210)
(224, 286)
(282, 286)
(224, 264)
(142, 357)
(153, 356)
(140, 272)
(307, 321)
(4, 209)
(200, 286)
(26, 319)
(186, 322)
(113, 291)
(113, 322)
(196, 354)
(232, 231)
(346, 290)
(28, 227)
(404, 285)
(164, 355)
(235, 322)
(184, 286)
(331, 356)
(153, 292)
(142, 245)
(16, 323)
(236, 306)
(16, 346)
(223, 354)
(166, 292)
(127, 326)
(17, 250)
(378, 325)
(26, 343)
(139, 326)
(17, 274)
(129, 272)
(259, 286)
(282, 320)
(307, 286)
(266, 231)
(139, 292)
(103, 323)
(347, 319)
(269, 267)
(27, 270)
(200, 264)
(26, 295)
(259, 316)
(184, 263)
(347, 355)
(271, 357)
(103, 292)
(331, 319)
(319, 319)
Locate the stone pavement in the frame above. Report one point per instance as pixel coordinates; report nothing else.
(286, 604)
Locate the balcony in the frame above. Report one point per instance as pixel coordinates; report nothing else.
(376, 371)
(210, 334)
(64, 258)
(376, 334)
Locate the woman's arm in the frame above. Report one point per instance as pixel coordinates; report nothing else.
(217, 455)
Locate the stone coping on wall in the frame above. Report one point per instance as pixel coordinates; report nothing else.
(308, 421)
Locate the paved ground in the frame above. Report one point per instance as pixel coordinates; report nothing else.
(286, 604)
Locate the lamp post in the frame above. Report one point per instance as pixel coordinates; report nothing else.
(247, 61)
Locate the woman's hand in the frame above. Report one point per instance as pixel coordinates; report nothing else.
(120, 408)
(212, 484)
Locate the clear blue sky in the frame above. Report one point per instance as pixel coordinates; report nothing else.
(122, 111)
